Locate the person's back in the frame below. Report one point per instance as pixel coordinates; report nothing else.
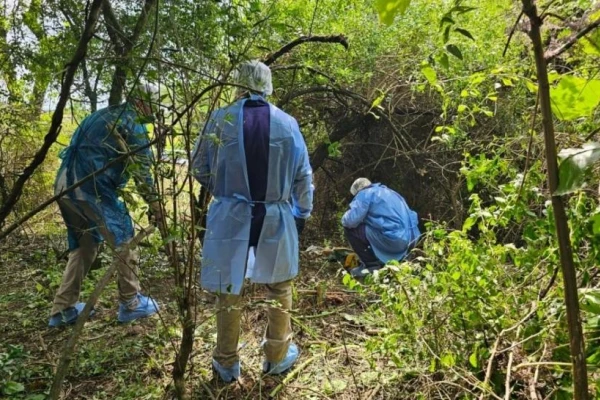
(389, 214)
(228, 181)
(101, 138)
(254, 161)
(379, 225)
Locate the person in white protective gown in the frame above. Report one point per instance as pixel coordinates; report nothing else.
(253, 160)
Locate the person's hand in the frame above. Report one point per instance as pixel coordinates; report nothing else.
(300, 222)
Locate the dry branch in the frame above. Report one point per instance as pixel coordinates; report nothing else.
(341, 39)
(570, 42)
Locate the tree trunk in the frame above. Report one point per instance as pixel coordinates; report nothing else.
(117, 86)
(577, 345)
(185, 349)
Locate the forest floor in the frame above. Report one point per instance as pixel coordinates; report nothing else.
(134, 361)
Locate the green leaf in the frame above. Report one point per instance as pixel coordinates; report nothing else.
(532, 87)
(448, 360)
(462, 9)
(473, 359)
(455, 51)
(388, 9)
(432, 365)
(12, 387)
(574, 97)
(377, 102)
(596, 224)
(346, 279)
(443, 60)
(446, 20)
(462, 108)
(574, 166)
(430, 74)
(465, 33)
(446, 34)
(591, 302)
(591, 43)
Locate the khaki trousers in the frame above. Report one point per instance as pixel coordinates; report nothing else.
(279, 329)
(79, 214)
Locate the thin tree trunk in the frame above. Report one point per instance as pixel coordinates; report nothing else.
(57, 117)
(577, 346)
(123, 46)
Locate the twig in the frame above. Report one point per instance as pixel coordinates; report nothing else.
(550, 55)
(488, 372)
(592, 134)
(512, 32)
(292, 375)
(546, 364)
(302, 366)
(533, 381)
(208, 391)
(341, 39)
(324, 314)
(507, 389)
(374, 392)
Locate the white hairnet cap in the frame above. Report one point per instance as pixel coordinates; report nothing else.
(256, 76)
(359, 185)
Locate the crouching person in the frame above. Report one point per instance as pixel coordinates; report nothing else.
(254, 162)
(379, 226)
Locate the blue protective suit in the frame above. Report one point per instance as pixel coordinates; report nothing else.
(93, 145)
(391, 227)
(219, 163)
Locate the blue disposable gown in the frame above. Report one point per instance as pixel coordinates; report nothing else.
(93, 145)
(391, 227)
(219, 163)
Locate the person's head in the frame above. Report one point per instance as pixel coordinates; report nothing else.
(358, 185)
(146, 98)
(255, 76)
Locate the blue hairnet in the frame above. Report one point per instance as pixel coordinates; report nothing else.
(256, 76)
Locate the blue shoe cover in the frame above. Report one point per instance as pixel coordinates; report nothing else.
(145, 308)
(227, 374)
(68, 316)
(363, 270)
(288, 361)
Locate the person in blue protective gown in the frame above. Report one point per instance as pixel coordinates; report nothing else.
(253, 160)
(94, 212)
(379, 226)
